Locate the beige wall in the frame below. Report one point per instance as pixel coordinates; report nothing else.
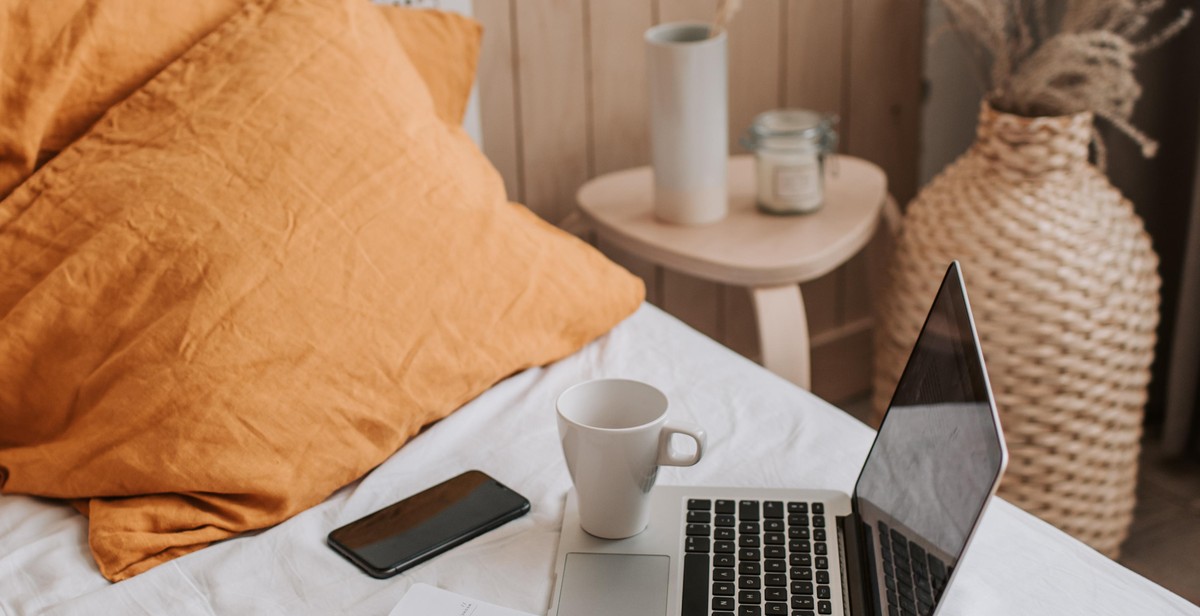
(563, 97)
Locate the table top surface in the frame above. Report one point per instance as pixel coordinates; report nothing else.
(748, 247)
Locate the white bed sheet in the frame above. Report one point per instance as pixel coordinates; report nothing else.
(1018, 565)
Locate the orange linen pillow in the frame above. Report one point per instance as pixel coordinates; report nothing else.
(64, 62)
(257, 277)
(444, 48)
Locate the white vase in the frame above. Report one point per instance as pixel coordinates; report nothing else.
(689, 140)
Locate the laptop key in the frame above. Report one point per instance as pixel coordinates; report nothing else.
(799, 532)
(776, 526)
(800, 545)
(749, 596)
(773, 538)
(775, 565)
(775, 579)
(722, 547)
(822, 577)
(818, 521)
(698, 517)
(772, 509)
(749, 527)
(698, 530)
(797, 507)
(800, 560)
(801, 573)
(823, 592)
(694, 504)
(775, 551)
(695, 586)
(775, 594)
(749, 582)
(818, 507)
(824, 607)
(775, 609)
(749, 554)
(802, 588)
(726, 506)
(749, 541)
(722, 519)
(750, 568)
(822, 562)
(724, 560)
(750, 610)
(797, 519)
(724, 574)
(720, 603)
(820, 549)
(803, 603)
(723, 589)
(725, 534)
(696, 544)
(818, 534)
(748, 511)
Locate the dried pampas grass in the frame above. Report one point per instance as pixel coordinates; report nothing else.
(1062, 57)
(726, 9)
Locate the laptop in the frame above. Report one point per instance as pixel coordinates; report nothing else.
(892, 547)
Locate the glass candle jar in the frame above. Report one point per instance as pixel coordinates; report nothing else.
(789, 147)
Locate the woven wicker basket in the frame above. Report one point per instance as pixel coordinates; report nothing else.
(1063, 284)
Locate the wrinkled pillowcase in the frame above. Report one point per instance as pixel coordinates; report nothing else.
(63, 63)
(257, 277)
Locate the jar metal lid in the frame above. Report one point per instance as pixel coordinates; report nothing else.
(792, 127)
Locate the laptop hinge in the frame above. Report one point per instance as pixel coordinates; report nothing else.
(857, 565)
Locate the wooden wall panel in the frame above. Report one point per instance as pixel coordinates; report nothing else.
(884, 89)
(620, 136)
(553, 103)
(814, 58)
(755, 65)
(498, 93)
(684, 10)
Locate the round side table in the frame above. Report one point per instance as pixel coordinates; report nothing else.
(770, 255)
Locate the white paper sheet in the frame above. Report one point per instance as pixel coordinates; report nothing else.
(426, 600)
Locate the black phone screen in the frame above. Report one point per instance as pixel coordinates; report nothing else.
(424, 525)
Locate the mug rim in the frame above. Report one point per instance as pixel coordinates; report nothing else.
(660, 418)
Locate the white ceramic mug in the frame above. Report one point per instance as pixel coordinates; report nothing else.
(615, 435)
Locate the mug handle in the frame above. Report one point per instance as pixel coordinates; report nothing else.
(668, 456)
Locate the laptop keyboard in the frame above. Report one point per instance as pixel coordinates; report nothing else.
(757, 558)
(914, 578)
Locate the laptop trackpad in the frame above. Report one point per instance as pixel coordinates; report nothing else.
(607, 584)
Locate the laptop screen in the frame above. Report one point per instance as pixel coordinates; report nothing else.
(938, 454)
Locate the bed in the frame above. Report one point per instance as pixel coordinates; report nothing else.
(267, 286)
(1019, 564)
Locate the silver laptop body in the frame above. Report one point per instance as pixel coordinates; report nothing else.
(892, 547)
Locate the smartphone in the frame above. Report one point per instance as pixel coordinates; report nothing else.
(412, 531)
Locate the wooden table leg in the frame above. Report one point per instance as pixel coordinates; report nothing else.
(783, 332)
